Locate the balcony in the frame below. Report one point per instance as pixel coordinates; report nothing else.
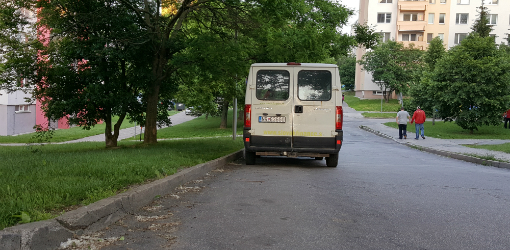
(417, 44)
(411, 26)
(412, 5)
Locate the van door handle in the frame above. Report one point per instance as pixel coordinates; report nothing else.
(298, 109)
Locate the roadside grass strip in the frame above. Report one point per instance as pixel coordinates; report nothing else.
(42, 184)
(450, 130)
(200, 127)
(505, 147)
(371, 104)
(379, 115)
(61, 135)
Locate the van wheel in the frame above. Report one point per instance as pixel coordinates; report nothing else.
(249, 157)
(319, 158)
(332, 160)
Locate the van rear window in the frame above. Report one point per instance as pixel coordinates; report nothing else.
(314, 85)
(273, 85)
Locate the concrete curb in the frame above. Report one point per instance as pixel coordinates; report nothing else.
(49, 234)
(453, 155)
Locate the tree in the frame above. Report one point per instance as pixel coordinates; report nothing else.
(366, 35)
(469, 85)
(347, 69)
(435, 52)
(136, 55)
(481, 25)
(393, 66)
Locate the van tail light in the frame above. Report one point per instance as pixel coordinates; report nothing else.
(247, 116)
(339, 117)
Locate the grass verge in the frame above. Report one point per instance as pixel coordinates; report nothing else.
(200, 127)
(61, 135)
(499, 147)
(449, 130)
(44, 183)
(370, 104)
(379, 115)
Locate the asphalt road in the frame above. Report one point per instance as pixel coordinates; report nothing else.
(382, 195)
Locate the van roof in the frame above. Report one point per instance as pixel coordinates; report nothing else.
(309, 65)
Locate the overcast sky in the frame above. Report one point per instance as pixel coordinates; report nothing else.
(351, 4)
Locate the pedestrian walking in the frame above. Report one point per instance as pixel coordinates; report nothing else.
(506, 116)
(402, 120)
(419, 117)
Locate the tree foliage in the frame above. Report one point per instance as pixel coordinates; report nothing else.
(347, 70)
(366, 35)
(469, 84)
(393, 66)
(435, 52)
(481, 25)
(129, 57)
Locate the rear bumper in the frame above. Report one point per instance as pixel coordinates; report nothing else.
(301, 145)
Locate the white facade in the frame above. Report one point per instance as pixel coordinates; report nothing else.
(500, 19)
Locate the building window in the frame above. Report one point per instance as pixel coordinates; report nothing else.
(490, 2)
(441, 35)
(22, 108)
(431, 18)
(459, 37)
(410, 17)
(386, 1)
(429, 37)
(385, 36)
(461, 18)
(409, 37)
(432, 1)
(378, 92)
(442, 1)
(462, 1)
(493, 19)
(383, 17)
(441, 18)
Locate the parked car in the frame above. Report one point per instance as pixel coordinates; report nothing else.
(180, 106)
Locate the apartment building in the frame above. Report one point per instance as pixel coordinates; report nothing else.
(420, 21)
(17, 116)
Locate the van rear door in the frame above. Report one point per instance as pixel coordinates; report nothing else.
(315, 94)
(272, 106)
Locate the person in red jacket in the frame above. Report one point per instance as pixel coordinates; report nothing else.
(419, 117)
(506, 115)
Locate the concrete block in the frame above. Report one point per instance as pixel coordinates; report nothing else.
(40, 235)
(83, 217)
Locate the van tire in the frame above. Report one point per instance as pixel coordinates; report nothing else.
(332, 160)
(249, 157)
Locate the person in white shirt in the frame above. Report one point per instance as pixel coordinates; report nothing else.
(402, 120)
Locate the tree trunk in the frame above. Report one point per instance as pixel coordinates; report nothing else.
(112, 139)
(224, 115)
(109, 138)
(151, 115)
(471, 131)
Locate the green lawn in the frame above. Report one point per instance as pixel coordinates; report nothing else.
(70, 134)
(500, 147)
(45, 182)
(379, 115)
(449, 130)
(370, 104)
(201, 127)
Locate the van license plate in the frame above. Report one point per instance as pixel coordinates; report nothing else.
(272, 119)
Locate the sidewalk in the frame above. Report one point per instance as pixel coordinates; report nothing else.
(447, 147)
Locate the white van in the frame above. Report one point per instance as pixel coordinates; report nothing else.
(294, 110)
